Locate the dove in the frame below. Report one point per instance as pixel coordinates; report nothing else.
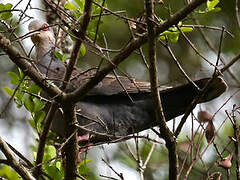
(107, 112)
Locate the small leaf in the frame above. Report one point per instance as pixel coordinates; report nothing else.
(173, 37)
(70, 6)
(5, 15)
(8, 90)
(38, 105)
(8, 6)
(19, 97)
(64, 57)
(54, 172)
(14, 78)
(50, 152)
(58, 55)
(217, 9)
(186, 29)
(91, 34)
(21, 74)
(39, 116)
(35, 89)
(72, 36)
(83, 169)
(79, 2)
(211, 4)
(28, 102)
(82, 50)
(32, 123)
(163, 38)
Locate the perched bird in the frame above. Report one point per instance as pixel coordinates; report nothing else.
(107, 109)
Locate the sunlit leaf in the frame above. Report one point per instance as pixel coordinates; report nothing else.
(8, 90)
(5, 15)
(211, 4)
(70, 6)
(82, 50)
(186, 29)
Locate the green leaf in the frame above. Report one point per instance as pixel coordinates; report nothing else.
(83, 169)
(28, 103)
(19, 97)
(91, 34)
(58, 55)
(79, 3)
(72, 36)
(50, 152)
(54, 172)
(211, 4)
(8, 90)
(186, 29)
(38, 104)
(39, 116)
(14, 78)
(217, 9)
(32, 123)
(35, 89)
(5, 15)
(64, 57)
(163, 38)
(173, 37)
(7, 172)
(70, 6)
(77, 14)
(21, 74)
(8, 6)
(82, 50)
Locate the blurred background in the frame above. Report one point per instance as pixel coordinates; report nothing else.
(14, 126)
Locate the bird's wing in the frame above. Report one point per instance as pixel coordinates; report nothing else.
(110, 85)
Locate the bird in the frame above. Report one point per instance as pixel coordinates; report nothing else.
(106, 112)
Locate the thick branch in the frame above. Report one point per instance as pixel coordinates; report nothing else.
(71, 147)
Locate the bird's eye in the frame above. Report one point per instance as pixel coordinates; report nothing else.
(45, 27)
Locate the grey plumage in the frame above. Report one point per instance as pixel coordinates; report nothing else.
(107, 109)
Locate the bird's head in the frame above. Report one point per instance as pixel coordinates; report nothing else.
(42, 34)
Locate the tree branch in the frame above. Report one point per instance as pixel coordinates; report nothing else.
(81, 34)
(164, 130)
(13, 161)
(71, 147)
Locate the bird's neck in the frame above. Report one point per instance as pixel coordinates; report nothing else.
(43, 48)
